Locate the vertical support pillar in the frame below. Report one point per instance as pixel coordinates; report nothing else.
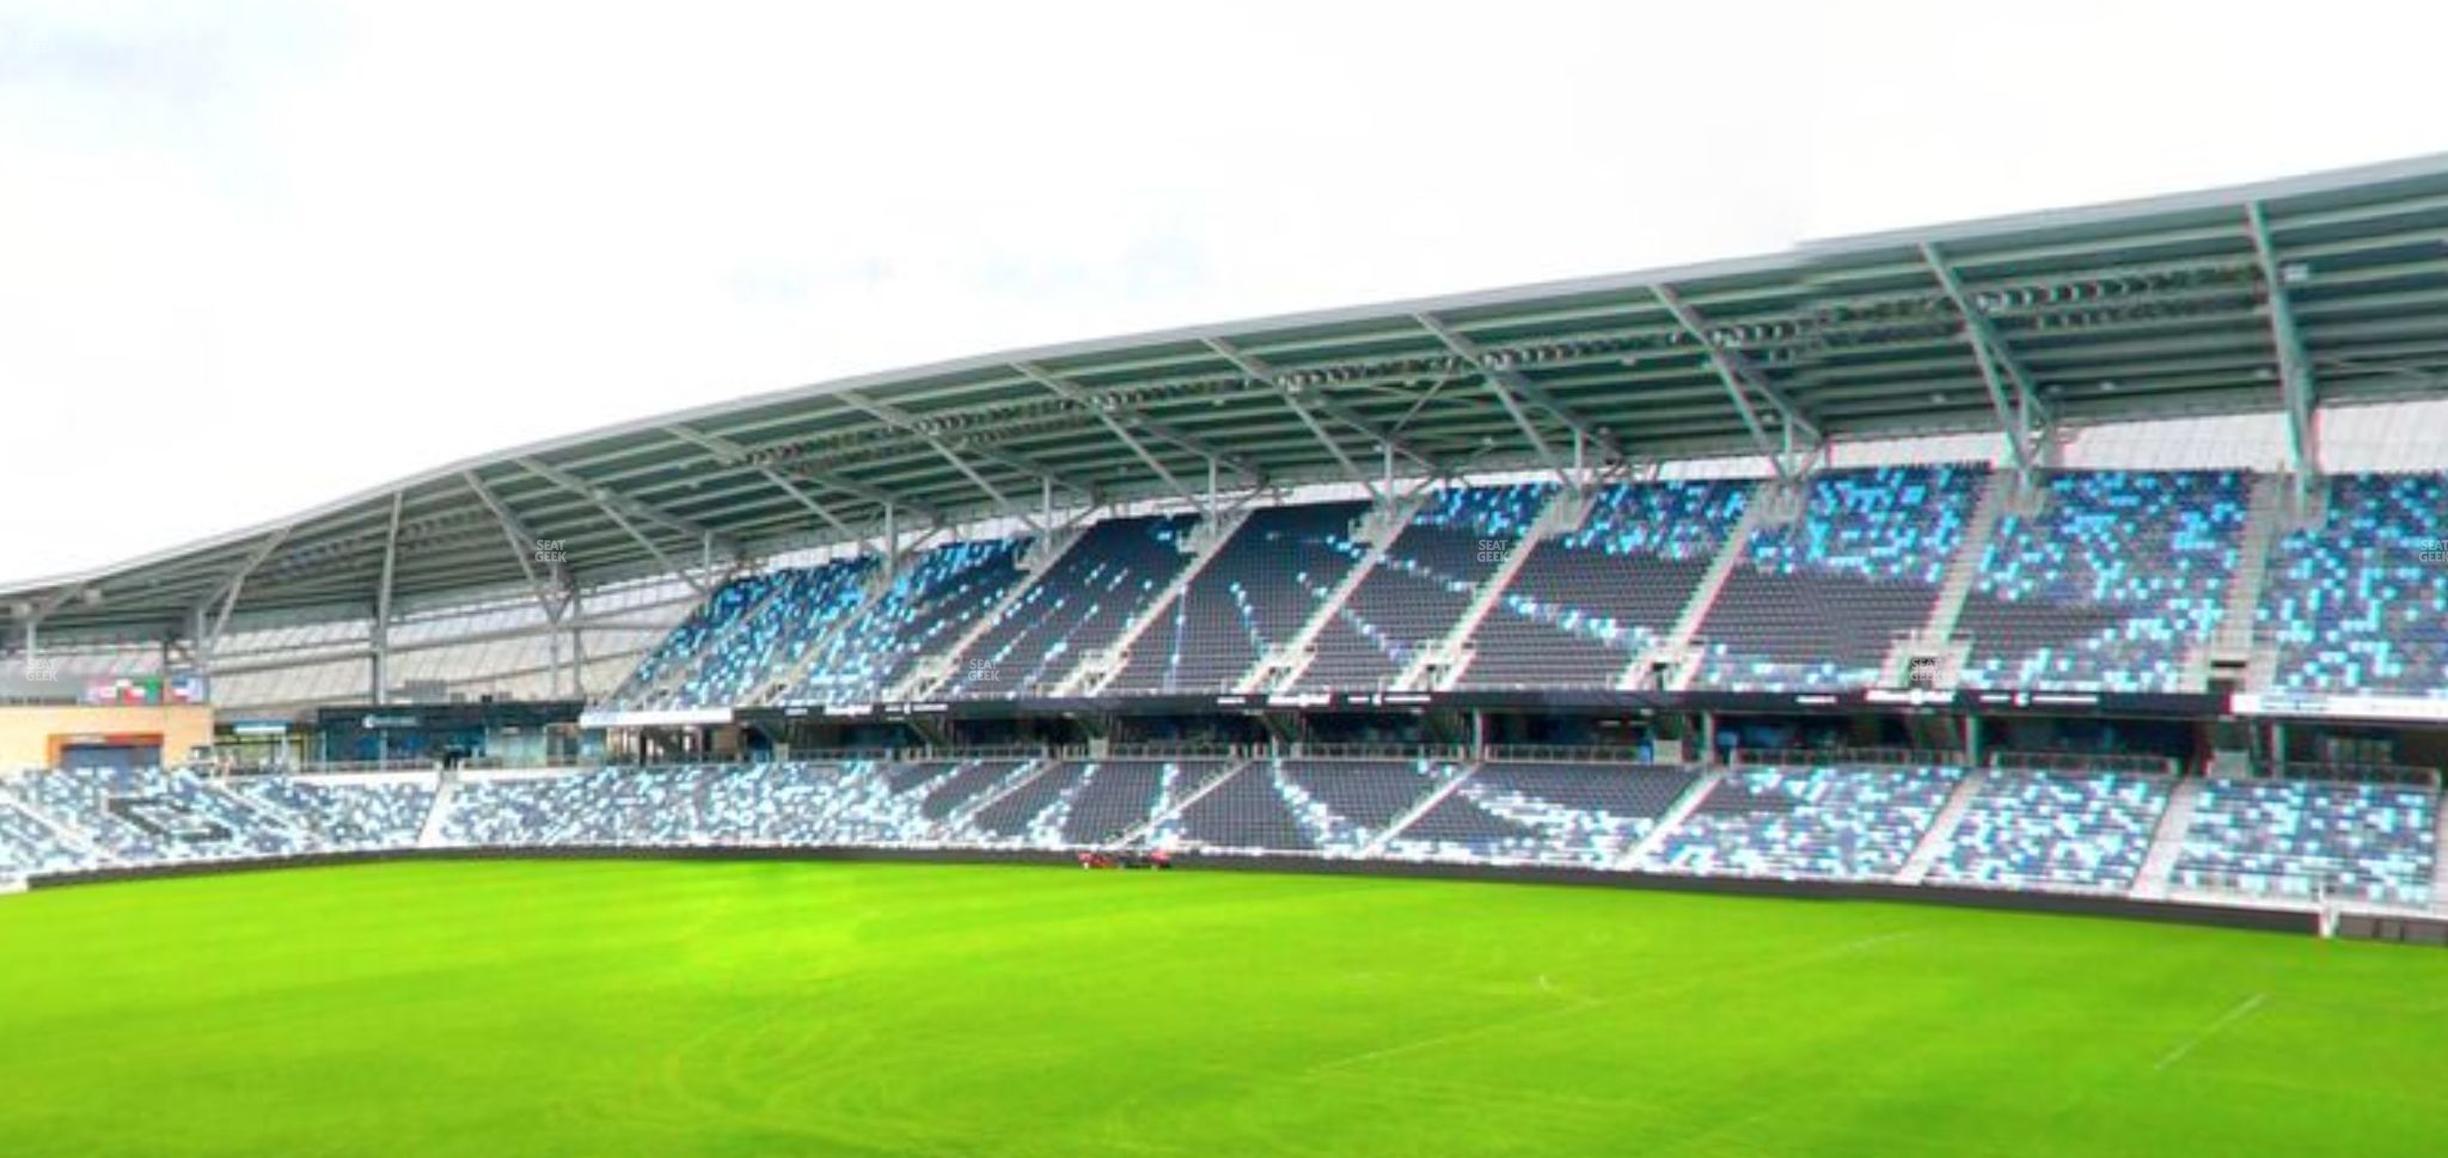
(573, 612)
(1708, 739)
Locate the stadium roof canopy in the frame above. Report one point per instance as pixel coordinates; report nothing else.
(2276, 297)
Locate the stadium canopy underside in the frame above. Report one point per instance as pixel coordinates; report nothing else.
(2275, 298)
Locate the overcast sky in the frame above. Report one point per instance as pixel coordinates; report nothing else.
(257, 256)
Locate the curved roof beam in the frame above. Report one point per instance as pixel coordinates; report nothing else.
(894, 416)
(1513, 388)
(1301, 405)
(730, 450)
(2022, 420)
(1742, 379)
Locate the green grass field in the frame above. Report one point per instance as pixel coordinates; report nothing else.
(598, 1008)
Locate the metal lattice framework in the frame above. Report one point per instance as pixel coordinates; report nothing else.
(2273, 298)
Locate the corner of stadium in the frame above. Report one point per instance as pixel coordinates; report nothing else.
(1967, 674)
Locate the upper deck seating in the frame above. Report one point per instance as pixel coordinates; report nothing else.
(804, 605)
(1256, 593)
(1417, 593)
(2358, 604)
(680, 650)
(1079, 606)
(928, 605)
(1818, 604)
(2111, 587)
(1584, 605)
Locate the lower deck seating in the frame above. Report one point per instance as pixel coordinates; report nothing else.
(2302, 840)
(1583, 815)
(345, 816)
(2277, 841)
(1841, 823)
(144, 816)
(29, 847)
(2043, 829)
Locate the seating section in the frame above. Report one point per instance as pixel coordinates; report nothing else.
(2300, 840)
(1256, 593)
(2111, 587)
(1415, 595)
(680, 649)
(1581, 815)
(2358, 604)
(344, 816)
(1078, 607)
(1122, 796)
(29, 847)
(1585, 604)
(1245, 813)
(1346, 804)
(2050, 830)
(1817, 604)
(2280, 841)
(1331, 807)
(140, 816)
(1839, 823)
(806, 604)
(933, 600)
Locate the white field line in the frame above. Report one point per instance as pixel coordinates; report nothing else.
(2242, 1010)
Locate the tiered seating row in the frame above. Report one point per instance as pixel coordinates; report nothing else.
(1585, 604)
(1816, 605)
(2359, 602)
(2274, 841)
(2109, 589)
(1420, 590)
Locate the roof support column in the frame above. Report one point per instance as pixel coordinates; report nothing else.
(379, 665)
(2297, 387)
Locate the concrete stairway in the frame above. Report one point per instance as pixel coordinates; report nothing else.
(1564, 513)
(2265, 522)
(2167, 842)
(438, 814)
(1206, 541)
(1942, 829)
(1935, 639)
(2439, 862)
